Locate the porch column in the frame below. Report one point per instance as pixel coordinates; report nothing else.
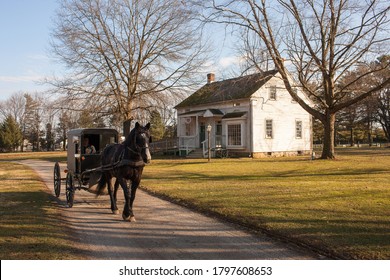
(197, 131)
(252, 104)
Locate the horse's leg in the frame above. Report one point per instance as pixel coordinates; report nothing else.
(112, 194)
(126, 214)
(116, 186)
(134, 186)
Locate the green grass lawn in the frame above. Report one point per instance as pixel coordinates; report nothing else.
(339, 206)
(31, 223)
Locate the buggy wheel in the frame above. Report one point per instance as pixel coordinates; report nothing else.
(69, 189)
(57, 179)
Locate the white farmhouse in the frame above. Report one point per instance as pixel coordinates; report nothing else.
(252, 115)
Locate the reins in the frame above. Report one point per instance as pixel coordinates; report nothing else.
(122, 160)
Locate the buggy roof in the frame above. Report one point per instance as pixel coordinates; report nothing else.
(82, 131)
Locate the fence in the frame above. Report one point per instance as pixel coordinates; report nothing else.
(169, 145)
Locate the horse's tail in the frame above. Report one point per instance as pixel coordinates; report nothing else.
(102, 185)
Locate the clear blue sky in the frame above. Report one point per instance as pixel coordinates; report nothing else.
(25, 27)
(24, 44)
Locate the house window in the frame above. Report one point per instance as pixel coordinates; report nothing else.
(268, 129)
(272, 92)
(298, 129)
(234, 134)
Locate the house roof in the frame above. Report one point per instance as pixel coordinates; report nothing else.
(232, 89)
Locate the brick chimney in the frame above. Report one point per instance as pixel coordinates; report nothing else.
(210, 78)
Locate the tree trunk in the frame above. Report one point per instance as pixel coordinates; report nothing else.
(352, 140)
(64, 140)
(328, 149)
(369, 128)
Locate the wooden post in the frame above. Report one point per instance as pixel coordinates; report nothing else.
(209, 142)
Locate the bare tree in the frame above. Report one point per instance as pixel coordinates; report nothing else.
(254, 55)
(126, 56)
(348, 119)
(316, 43)
(383, 100)
(65, 122)
(384, 112)
(14, 106)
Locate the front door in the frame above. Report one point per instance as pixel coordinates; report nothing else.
(218, 135)
(202, 134)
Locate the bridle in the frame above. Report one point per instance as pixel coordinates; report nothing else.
(137, 150)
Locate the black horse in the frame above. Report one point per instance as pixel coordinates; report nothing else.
(125, 162)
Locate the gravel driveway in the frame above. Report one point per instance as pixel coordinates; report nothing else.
(163, 230)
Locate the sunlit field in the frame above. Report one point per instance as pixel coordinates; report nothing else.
(341, 207)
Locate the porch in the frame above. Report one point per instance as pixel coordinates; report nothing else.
(194, 135)
(187, 149)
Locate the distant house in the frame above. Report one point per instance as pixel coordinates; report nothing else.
(252, 115)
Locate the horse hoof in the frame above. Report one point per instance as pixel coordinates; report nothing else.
(129, 218)
(115, 212)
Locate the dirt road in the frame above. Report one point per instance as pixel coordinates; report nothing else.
(163, 230)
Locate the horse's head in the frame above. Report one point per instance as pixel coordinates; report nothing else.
(142, 140)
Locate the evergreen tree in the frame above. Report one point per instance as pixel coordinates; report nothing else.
(32, 121)
(157, 128)
(10, 134)
(86, 120)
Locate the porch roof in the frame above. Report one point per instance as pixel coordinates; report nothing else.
(232, 89)
(194, 113)
(233, 115)
(215, 112)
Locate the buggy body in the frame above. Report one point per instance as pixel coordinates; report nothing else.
(83, 169)
(77, 160)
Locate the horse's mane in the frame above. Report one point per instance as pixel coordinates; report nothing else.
(129, 138)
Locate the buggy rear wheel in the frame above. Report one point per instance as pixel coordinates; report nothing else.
(57, 179)
(69, 189)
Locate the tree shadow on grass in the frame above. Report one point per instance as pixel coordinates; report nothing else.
(32, 228)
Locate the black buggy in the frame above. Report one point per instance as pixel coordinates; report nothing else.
(83, 169)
